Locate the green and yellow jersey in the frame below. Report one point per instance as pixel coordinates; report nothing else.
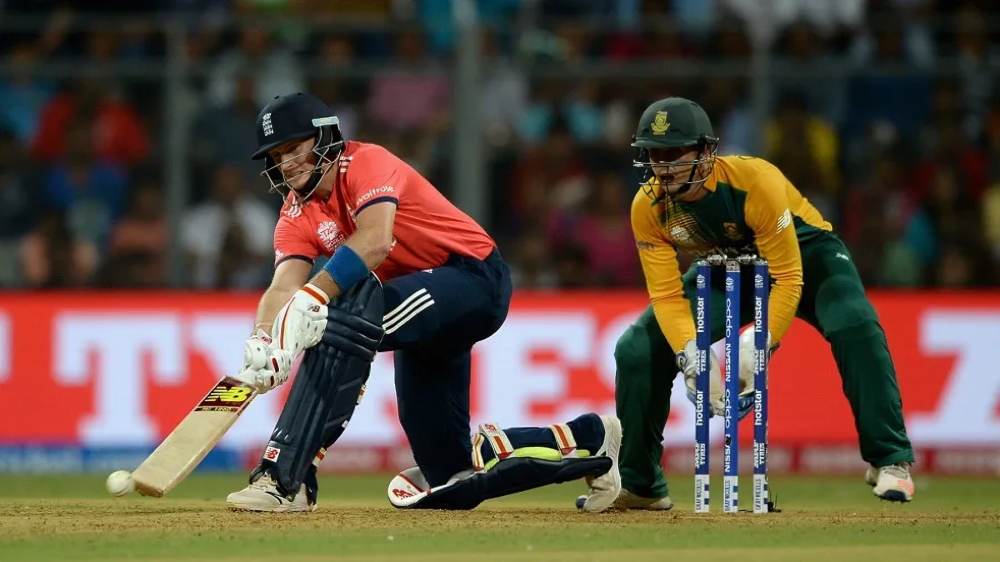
(750, 206)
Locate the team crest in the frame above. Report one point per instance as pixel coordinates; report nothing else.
(731, 230)
(330, 235)
(660, 124)
(266, 125)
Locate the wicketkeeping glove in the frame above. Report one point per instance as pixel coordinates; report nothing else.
(687, 363)
(746, 398)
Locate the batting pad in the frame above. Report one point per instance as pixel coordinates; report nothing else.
(325, 392)
(409, 489)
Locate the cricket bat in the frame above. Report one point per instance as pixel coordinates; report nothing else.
(197, 434)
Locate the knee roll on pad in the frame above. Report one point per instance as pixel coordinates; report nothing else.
(352, 333)
(327, 387)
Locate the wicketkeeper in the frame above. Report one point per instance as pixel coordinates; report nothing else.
(699, 203)
(407, 272)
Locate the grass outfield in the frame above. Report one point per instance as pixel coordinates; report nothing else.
(72, 518)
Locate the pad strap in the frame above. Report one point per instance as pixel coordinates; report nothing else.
(564, 440)
(498, 442)
(320, 455)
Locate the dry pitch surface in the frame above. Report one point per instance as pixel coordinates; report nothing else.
(71, 518)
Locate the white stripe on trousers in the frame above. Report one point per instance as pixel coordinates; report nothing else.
(421, 304)
(398, 311)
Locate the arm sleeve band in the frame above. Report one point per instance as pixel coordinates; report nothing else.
(346, 268)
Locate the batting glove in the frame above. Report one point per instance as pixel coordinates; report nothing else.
(300, 323)
(263, 366)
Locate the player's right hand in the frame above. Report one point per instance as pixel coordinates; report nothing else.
(687, 363)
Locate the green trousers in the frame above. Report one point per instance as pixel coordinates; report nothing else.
(833, 301)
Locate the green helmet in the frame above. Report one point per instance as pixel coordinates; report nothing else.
(674, 122)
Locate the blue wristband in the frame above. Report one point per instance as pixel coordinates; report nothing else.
(346, 268)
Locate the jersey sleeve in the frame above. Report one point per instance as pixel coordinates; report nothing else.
(767, 212)
(663, 274)
(374, 176)
(292, 242)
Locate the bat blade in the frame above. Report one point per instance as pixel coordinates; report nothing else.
(197, 434)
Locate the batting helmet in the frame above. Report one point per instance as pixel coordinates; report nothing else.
(293, 117)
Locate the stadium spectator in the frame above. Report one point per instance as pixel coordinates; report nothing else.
(115, 129)
(90, 192)
(274, 67)
(53, 257)
(805, 147)
(137, 251)
(18, 206)
(224, 135)
(22, 93)
(228, 238)
(415, 94)
(605, 237)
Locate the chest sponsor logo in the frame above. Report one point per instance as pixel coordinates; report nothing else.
(330, 235)
(731, 230)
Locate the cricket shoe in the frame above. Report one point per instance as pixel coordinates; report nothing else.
(263, 495)
(892, 482)
(606, 487)
(628, 500)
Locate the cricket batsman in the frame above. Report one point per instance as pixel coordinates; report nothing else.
(696, 202)
(407, 272)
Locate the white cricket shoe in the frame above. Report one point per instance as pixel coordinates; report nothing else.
(892, 482)
(263, 495)
(606, 487)
(628, 500)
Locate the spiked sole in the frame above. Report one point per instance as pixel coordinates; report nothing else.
(895, 496)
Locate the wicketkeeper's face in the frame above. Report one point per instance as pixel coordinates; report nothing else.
(672, 167)
(296, 160)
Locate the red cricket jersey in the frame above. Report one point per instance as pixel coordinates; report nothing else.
(427, 228)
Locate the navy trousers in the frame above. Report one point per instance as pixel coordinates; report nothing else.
(432, 320)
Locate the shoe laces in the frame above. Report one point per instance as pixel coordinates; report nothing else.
(901, 470)
(264, 483)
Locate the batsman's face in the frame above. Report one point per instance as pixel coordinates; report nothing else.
(296, 161)
(672, 167)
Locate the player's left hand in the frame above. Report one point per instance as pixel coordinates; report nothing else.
(300, 323)
(274, 372)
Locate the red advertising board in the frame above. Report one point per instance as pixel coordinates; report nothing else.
(120, 369)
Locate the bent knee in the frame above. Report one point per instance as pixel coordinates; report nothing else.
(639, 348)
(841, 304)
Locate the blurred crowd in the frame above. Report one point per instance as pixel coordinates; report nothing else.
(885, 114)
